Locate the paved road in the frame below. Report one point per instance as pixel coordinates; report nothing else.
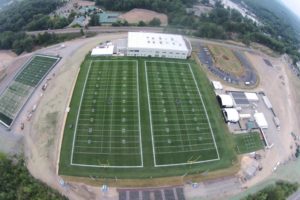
(111, 29)
(100, 29)
(295, 196)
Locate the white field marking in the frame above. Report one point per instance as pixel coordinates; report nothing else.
(83, 124)
(99, 166)
(184, 114)
(213, 136)
(198, 123)
(97, 136)
(91, 147)
(116, 130)
(197, 150)
(186, 129)
(159, 90)
(189, 145)
(176, 118)
(75, 130)
(150, 117)
(187, 124)
(139, 113)
(92, 93)
(196, 139)
(172, 93)
(167, 82)
(171, 100)
(115, 142)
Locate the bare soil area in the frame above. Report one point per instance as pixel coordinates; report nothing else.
(136, 15)
(43, 134)
(276, 83)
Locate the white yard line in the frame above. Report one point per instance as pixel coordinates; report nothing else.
(75, 130)
(139, 128)
(150, 115)
(197, 91)
(139, 112)
(200, 95)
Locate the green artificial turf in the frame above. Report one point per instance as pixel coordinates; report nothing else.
(248, 142)
(141, 118)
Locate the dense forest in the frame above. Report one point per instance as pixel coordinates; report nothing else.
(280, 191)
(17, 183)
(30, 15)
(221, 23)
(282, 25)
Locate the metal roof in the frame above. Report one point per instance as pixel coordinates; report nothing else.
(156, 41)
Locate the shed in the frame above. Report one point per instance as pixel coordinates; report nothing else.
(106, 50)
(225, 100)
(251, 96)
(267, 102)
(231, 115)
(261, 120)
(217, 85)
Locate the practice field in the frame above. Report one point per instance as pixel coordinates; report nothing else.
(133, 117)
(248, 142)
(24, 83)
(107, 130)
(180, 126)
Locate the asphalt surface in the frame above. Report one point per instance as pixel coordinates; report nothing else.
(249, 76)
(100, 29)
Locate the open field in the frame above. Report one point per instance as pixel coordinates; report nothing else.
(225, 59)
(24, 83)
(248, 142)
(136, 15)
(132, 118)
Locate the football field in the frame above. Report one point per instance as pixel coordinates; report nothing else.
(140, 116)
(180, 127)
(107, 130)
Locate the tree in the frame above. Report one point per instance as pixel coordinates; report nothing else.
(155, 22)
(94, 21)
(141, 23)
(17, 183)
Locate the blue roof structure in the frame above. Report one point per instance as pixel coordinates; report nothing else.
(108, 17)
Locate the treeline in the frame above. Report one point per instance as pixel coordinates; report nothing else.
(17, 183)
(31, 15)
(20, 42)
(280, 191)
(220, 23)
(279, 34)
(165, 6)
(25, 15)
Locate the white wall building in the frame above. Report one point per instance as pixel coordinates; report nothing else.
(158, 45)
(103, 50)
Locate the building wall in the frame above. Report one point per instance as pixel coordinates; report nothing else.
(157, 53)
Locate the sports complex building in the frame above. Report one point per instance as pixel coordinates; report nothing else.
(143, 44)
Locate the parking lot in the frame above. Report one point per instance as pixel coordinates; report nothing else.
(249, 78)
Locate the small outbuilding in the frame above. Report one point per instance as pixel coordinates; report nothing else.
(261, 120)
(217, 85)
(231, 115)
(251, 96)
(103, 50)
(225, 101)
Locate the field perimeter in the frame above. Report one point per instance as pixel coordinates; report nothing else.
(134, 117)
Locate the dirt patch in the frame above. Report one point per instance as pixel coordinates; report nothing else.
(136, 15)
(225, 57)
(6, 57)
(225, 60)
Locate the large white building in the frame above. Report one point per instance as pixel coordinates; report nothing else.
(158, 45)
